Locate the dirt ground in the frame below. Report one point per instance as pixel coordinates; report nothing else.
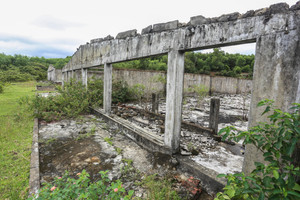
(89, 143)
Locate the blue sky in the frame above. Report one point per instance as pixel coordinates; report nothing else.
(55, 28)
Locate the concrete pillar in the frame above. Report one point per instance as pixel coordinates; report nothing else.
(214, 114)
(276, 76)
(155, 102)
(84, 77)
(174, 99)
(72, 74)
(107, 88)
(62, 80)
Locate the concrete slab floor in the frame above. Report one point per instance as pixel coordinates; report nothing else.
(79, 144)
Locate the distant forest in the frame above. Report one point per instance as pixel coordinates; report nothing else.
(23, 68)
(217, 63)
(19, 68)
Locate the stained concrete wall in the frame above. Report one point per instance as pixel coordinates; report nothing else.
(151, 80)
(54, 75)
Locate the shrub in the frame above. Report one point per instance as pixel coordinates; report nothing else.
(201, 92)
(120, 91)
(1, 87)
(277, 141)
(69, 188)
(75, 99)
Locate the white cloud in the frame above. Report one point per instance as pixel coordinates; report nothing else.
(65, 24)
(54, 23)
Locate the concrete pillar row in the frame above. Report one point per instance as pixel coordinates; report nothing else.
(107, 88)
(175, 77)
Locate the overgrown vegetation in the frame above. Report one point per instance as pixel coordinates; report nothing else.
(82, 188)
(19, 68)
(217, 62)
(277, 140)
(75, 99)
(15, 141)
(158, 188)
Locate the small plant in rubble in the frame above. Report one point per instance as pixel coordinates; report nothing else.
(201, 92)
(138, 91)
(277, 140)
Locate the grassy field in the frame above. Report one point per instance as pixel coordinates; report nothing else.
(15, 141)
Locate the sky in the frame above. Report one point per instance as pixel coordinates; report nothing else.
(56, 28)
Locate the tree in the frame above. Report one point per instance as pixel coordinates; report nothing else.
(277, 140)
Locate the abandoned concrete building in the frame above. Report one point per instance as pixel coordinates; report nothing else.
(274, 30)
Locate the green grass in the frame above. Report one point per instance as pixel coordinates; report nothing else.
(15, 141)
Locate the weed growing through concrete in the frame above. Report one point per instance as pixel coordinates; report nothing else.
(108, 140)
(159, 188)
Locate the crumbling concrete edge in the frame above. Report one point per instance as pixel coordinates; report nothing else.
(209, 181)
(208, 177)
(143, 138)
(34, 180)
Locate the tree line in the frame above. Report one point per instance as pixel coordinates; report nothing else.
(217, 62)
(23, 68)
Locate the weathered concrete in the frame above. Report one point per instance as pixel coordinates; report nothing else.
(107, 88)
(54, 75)
(148, 78)
(148, 140)
(34, 179)
(276, 76)
(165, 26)
(125, 34)
(174, 99)
(214, 114)
(84, 77)
(155, 102)
(241, 30)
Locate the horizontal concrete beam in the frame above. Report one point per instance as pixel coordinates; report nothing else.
(239, 31)
(148, 140)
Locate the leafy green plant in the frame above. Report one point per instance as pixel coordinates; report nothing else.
(81, 188)
(119, 150)
(138, 91)
(201, 92)
(108, 140)
(277, 141)
(120, 91)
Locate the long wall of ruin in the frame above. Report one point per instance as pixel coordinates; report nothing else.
(275, 30)
(155, 80)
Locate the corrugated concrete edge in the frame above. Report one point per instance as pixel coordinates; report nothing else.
(34, 180)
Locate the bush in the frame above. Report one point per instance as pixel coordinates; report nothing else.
(1, 87)
(68, 188)
(70, 102)
(120, 92)
(75, 99)
(277, 141)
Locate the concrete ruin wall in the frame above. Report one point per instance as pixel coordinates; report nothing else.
(148, 78)
(54, 75)
(276, 31)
